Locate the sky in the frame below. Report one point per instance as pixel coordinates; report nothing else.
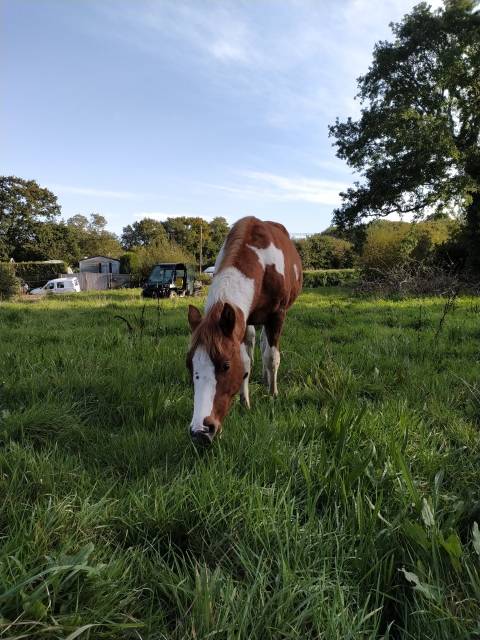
(134, 108)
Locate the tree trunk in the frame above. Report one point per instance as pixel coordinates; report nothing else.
(472, 218)
(473, 233)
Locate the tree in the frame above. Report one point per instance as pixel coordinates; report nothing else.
(389, 244)
(92, 238)
(161, 250)
(24, 205)
(320, 251)
(78, 221)
(185, 231)
(9, 283)
(218, 230)
(56, 241)
(417, 142)
(142, 233)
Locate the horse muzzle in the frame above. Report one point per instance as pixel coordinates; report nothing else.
(203, 435)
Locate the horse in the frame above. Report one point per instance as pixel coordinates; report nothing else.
(258, 276)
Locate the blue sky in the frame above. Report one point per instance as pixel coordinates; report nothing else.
(167, 107)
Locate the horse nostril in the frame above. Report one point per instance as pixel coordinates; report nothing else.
(211, 424)
(202, 437)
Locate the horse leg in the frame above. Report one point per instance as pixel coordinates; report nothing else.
(263, 348)
(246, 351)
(250, 342)
(271, 349)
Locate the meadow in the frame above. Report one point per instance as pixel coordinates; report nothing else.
(345, 509)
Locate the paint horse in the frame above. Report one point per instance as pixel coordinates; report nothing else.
(258, 275)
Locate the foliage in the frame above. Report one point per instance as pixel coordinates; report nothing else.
(320, 251)
(329, 277)
(353, 234)
(161, 250)
(185, 231)
(92, 237)
(417, 142)
(218, 230)
(389, 244)
(347, 508)
(56, 241)
(204, 278)
(36, 274)
(142, 233)
(9, 283)
(129, 262)
(24, 205)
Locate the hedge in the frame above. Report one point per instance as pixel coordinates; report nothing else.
(36, 274)
(329, 277)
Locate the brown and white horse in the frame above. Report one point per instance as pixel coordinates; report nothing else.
(258, 275)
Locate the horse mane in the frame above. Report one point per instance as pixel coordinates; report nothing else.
(279, 226)
(235, 242)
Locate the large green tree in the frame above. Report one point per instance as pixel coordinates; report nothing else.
(142, 233)
(187, 232)
(24, 205)
(218, 229)
(92, 238)
(416, 144)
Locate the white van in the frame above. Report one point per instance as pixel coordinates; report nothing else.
(58, 285)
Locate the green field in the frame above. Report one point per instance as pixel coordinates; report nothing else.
(344, 509)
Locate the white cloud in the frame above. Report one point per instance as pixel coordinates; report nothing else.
(97, 193)
(270, 186)
(300, 58)
(163, 215)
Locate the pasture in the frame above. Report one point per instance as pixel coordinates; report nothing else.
(344, 509)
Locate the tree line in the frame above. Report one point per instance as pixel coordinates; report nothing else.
(31, 229)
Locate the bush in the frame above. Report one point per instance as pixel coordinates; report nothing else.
(204, 278)
(391, 244)
(9, 283)
(129, 262)
(329, 278)
(36, 274)
(321, 251)
(162, 250)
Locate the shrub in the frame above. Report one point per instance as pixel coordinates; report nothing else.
(329, 277)
(162, 250)
(9, 283)
(321, 251)
(129, 262)
(390, 244)
(204, 278)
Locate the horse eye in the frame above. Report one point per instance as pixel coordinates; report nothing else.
(226, 366)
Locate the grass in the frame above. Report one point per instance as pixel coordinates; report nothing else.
(346, 508)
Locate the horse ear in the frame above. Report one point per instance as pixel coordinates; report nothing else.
(194, 317)
(227, 319)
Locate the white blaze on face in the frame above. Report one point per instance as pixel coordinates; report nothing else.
(205, 385)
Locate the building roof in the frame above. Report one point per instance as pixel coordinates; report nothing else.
(96, 257)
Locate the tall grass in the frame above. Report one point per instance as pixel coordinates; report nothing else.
(346, 508)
